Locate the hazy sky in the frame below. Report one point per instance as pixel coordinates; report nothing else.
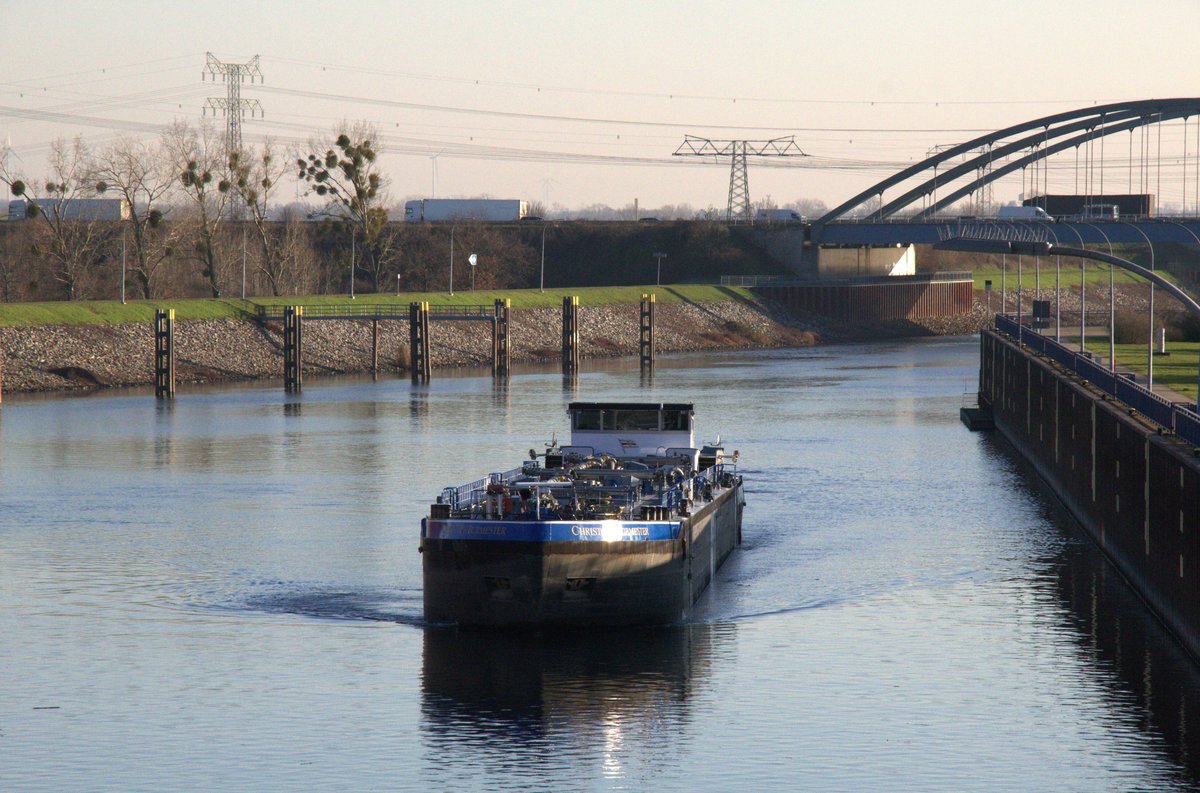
(584, 102)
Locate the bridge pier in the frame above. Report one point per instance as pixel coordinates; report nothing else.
(500, 338)
(164, 353)
(646, 332)
(418, 341)
(570, 335)
(293, 349)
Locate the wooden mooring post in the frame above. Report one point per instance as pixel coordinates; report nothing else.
(164, 353)
(646, 335)
(375, 348)
(418, 341)
(293, 348)
(500, 338)
(570, 335)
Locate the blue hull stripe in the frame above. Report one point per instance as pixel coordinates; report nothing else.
(551, 531)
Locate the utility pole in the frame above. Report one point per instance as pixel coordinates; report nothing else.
(658, 272)
(232, 107)
(739, 183)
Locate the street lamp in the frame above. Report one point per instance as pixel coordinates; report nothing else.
(658, 272)
(473, 259)
(123, 227)
(542, 277)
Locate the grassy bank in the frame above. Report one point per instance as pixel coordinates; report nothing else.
(113, 312)
(1177, 371)
(1097, 276)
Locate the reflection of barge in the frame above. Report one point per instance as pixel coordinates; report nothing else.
(626, 525)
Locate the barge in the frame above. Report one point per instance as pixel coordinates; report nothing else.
(626, 525)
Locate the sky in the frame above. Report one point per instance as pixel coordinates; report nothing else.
(576, 103)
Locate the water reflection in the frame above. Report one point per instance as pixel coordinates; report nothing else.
(501, 395)
(1132, 653)
(597, 696)
(570, 386)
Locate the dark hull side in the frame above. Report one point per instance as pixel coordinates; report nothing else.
(494, 583)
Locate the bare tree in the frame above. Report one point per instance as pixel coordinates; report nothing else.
(348, 175)
(70, 237)
(200, 160)
(255, 176)
(142, 175)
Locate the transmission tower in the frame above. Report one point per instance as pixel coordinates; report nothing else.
(739, 150)
(232, 106)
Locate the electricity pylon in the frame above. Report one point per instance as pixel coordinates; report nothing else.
(739, 183)
(233, 107)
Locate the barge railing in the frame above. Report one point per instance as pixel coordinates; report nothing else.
(619, 501)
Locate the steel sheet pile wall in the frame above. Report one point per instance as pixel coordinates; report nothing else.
(870, 302)
(1134, 487)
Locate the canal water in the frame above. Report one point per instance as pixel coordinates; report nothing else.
(224, 593)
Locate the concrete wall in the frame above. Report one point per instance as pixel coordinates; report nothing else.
(1135, 489)
(860, 262)
(901, 300)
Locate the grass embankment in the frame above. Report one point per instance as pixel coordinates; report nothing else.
(1177, 371)
(113, 312)
(1097, 277)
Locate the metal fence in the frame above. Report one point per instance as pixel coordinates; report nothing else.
(1182, 419)
(376, 311)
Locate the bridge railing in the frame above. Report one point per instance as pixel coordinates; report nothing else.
(1179, 418)
(869, 280)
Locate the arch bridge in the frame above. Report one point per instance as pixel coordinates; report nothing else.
(929, 188)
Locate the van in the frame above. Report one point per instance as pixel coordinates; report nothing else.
(1100, 212)
(778, 216)
(1024, 213)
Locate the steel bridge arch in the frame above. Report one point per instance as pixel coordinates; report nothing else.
(1067, 129)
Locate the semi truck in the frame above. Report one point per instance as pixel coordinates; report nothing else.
(441, 210)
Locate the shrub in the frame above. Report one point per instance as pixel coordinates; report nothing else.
(1131, 327)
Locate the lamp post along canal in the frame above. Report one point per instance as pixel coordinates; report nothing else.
(658, 272)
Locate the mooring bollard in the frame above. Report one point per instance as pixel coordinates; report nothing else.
(646, 335)
(293, 348)
(418, 339)
(500, 339)
(375, 348)
(570, 334)
(164, 353)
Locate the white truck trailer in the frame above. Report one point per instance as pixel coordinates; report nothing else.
(440, 210)
(73, 208)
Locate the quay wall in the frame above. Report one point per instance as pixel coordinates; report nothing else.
(1133, 486)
